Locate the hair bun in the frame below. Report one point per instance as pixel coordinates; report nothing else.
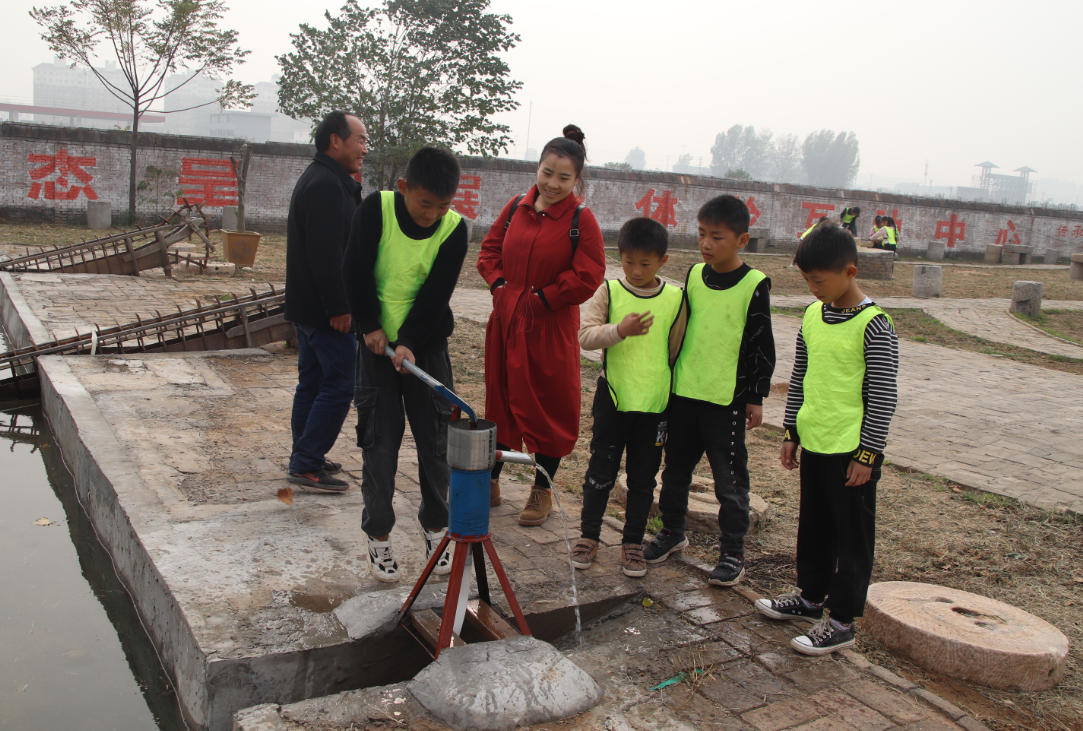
(572, 132)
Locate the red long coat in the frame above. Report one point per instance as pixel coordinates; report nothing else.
(532, 386)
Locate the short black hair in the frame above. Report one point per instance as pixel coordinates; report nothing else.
(643, 234)
(728, 211)
(827, 248)
(434, 169)
(878, 219)
(335, 123)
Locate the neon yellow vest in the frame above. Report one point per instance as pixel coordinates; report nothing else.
(637, 368)
(808, 229)
(829, 421)
(891, 240)
(847, 217)
(706, 369)
(403, 264)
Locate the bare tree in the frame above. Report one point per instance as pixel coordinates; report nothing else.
(151, 40)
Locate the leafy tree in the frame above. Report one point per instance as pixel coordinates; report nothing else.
(417, 72)
(618, 166)
(685, 160)
(738, 174)
(785, 162)
(742, 148)
(151, 39)
(636, 158)
(831, 160)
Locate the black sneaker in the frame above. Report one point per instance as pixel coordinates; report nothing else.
(320, 480)
(825, 637)
(331, 468)
(789, 606)
(729, 570)
(662, 545)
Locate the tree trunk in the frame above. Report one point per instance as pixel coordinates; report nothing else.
(131, 174)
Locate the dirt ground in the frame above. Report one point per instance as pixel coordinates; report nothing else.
(929, 530)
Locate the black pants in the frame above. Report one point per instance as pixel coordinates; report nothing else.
(836, 535)
(643, 435)
(549, 464)
(382, 395)
(696, 427)
(852, 225)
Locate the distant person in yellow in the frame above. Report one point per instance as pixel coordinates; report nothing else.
(848, 218)
(403, 259)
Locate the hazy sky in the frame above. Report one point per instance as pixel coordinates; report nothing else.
(951, 82)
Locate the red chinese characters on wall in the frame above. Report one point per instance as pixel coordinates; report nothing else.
(754, 212)
(62, 165)
(207, 182)
(1077, 231)
(664, 207)
(953, 230)
(466, 197)
(1062, 232)
(816, 211)
(1008, 236)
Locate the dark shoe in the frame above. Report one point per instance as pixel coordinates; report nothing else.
(825, 637)
(319, 480)
(494, 493)
(583, 553)
(331, 468)
(728, 571)
(631, 560)
(663, 544)
(789, 606)
(537, 507)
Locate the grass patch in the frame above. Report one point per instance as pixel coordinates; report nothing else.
(1063, 324)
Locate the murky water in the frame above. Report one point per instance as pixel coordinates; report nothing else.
(73, 654)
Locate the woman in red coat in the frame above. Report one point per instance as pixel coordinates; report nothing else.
(532, 388)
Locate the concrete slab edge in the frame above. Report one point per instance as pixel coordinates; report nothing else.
(100, 466)
(950, 711)
(22, 326)
(1037, 329)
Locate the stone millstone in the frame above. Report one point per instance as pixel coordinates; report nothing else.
(493, 686)
(702, 505)
(966, 636)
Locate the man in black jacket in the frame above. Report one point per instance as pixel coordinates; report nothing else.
(321, 210)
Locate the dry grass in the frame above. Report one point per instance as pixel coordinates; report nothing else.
(1064, 324)
(929, 530)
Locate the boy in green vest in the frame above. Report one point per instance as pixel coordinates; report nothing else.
(403, 259)
(842, 397)
(849, 218)
(632, 320)
(720, 378)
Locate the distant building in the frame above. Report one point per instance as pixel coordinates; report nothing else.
(57, 85)
(928, 191)
(997, 188)
(192, 111)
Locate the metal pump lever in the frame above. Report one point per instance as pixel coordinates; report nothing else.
(434, 385)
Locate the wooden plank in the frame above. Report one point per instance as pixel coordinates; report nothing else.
(485, 620)
(427, 624)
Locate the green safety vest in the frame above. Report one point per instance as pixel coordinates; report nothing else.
(706, 369)
(808, 229)
(637, 368)
(829, 421)
(403, 264)
(891, 240)
(847, 217)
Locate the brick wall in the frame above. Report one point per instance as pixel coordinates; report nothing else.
(33, 156)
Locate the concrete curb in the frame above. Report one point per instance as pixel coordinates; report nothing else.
(20, 323)
(1043, 332)
(950, 711)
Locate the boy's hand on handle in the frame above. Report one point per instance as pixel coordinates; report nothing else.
(402, 352)
(789, 455)
(341, 323)
(635, 324)
(753, 415)
(376, 341)
(857, 474)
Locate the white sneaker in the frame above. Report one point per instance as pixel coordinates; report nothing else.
(382, 560)
(432, 542)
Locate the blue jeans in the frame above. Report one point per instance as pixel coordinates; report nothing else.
(325, 364)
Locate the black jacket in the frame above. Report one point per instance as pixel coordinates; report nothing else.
(321, 208)
(430, 321)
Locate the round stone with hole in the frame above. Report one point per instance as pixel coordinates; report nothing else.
(966, 636)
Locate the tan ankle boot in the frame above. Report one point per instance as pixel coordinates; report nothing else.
(537, 507)
(494, 493)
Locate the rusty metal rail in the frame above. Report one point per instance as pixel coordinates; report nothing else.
(229, 323)
(129, 252)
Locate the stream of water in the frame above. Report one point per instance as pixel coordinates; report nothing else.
(567, 544)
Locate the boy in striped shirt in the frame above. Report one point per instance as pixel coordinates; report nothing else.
(842, 396)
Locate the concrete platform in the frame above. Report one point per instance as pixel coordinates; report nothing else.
(178, 460)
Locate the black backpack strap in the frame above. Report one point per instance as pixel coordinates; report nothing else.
(574, 233)
(514, 205)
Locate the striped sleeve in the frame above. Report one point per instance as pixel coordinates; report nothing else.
(879, 390)
(796, 395)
